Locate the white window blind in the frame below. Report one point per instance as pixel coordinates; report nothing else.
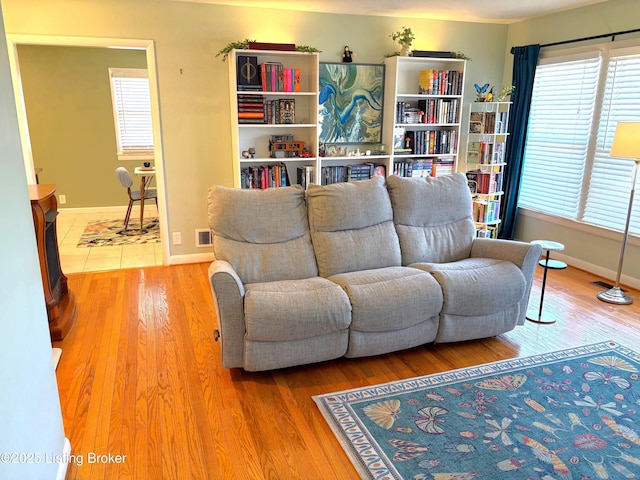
(132, 112)
(576, 106)
(560, 122)
(610, 179)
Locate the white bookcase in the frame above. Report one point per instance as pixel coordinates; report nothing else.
(485, 162)
(258, 135)
(427, 143)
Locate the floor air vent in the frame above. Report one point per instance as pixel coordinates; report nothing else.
(605, 285)
(203, 238)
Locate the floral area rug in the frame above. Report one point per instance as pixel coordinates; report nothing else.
(112, 233)
(571, 414)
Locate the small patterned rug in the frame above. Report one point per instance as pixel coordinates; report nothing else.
(571, 414)
(103, 233)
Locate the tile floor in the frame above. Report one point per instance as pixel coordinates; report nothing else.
(70, 226)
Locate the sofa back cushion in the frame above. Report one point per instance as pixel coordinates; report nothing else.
(263, 234)
(352, 226)
(433, 218)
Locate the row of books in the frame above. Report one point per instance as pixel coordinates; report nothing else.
(350, 173)
(484, 182)
(265, 176)
(486, 211)
(414, 168)
(487, 231)
(425, 142)
(488, 122)
(485, 153)
(274, 77)
(423, 167)
(440, 82)
(433, 110)
(254, 109)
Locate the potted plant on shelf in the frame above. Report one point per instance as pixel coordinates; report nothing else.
(405, 38)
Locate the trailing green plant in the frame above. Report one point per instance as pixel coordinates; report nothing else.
(404, 37)
(307, 49)
(240, 45)
(460, 55)
(244, 45)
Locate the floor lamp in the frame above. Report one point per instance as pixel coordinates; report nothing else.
(626, 143)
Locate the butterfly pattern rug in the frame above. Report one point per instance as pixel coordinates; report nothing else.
(571, 414)
(102, 233)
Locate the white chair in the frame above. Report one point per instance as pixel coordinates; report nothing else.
(134, 195)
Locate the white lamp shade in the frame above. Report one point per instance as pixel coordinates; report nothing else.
(626, 141)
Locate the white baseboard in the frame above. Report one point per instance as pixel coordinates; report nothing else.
(64, 465)
(191, 258)
(597, 270)
(118, 210)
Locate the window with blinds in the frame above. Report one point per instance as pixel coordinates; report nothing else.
(132, 112)
(577, 102)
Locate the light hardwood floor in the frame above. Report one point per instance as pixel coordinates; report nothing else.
(140, 376)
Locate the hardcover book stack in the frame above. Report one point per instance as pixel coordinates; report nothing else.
(305, 176)
(486, 211)
(271, 176)
(440, 82)
(277, 78)
(488, 122)
(351, 173)
(280, 111)
(414, 168)
(439, 110)
(429, 142)
(250, 108)
(485, 153)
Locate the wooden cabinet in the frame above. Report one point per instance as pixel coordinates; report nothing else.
(61, 305)
(422, 111)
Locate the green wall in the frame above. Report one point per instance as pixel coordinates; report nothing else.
(193, 87)
(593, 249)
(69, 111)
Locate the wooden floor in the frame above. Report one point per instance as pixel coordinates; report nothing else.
(140, 376)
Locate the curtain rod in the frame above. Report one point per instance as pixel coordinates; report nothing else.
(594, 37)
(584, 39)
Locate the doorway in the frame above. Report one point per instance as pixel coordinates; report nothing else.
(78, 216)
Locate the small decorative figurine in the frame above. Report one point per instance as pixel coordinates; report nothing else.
(348, 55)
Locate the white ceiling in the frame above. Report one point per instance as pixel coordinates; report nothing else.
(487, 11)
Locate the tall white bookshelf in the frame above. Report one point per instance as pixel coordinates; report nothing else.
(245, 136)
(485, 162)
(427, 143)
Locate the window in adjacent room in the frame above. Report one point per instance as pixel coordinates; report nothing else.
(578, 99)
(132, 113)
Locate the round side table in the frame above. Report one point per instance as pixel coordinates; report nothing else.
(548, 246)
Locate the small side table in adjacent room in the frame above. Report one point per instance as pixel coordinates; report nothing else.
(546, 263)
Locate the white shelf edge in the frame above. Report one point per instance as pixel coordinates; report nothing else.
(397, 125)
(278, 94)
(277, 125)
(276, 160)
(425, 95)
(356, 157)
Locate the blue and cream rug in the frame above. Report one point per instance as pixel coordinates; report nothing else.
(571, 414)
(102, 233)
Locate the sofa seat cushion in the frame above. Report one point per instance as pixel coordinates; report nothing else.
(391, 298)
(294, 309)
(477, 286)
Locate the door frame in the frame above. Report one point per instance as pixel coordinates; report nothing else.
(13, 40)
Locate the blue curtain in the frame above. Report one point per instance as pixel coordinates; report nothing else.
(525, 60)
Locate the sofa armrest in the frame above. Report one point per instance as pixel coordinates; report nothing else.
(228, 297)
(523, 254)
